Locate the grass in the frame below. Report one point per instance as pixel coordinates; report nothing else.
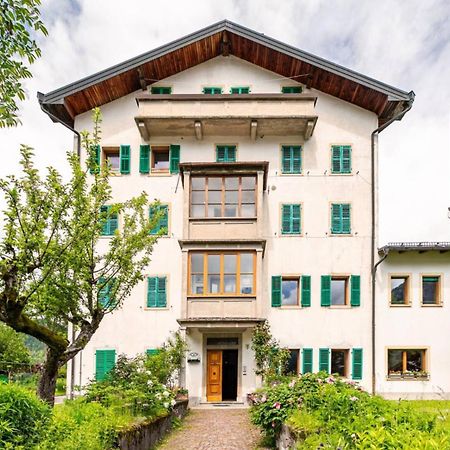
(439, 407)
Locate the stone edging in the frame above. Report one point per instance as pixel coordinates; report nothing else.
(145, 436)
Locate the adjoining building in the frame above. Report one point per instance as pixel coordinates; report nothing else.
(264, 160)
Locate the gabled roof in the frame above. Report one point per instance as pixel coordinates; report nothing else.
(224, 38)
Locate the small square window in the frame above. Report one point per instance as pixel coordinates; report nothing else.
(111, 157)
(339, 291)
(407, 363)
(289, 291)
(291, 89)
(399, 290)
(212, 90)
(339, 362)
(240, 90)
(161, 90)
(160, 159)
(431, 287)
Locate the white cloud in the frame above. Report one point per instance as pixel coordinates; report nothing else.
(406, 44)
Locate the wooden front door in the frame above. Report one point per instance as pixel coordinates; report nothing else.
(214, 376)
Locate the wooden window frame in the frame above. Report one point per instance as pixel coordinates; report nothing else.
(346, 278)
(159, 149)
(401, 376)
(296, 278)
(108, 150)
(438, 290)
(297, 369)
(223, 190)
(221, 292)
(407, 276)
(346, 360)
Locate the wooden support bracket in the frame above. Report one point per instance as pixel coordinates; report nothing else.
(253, 129)
(309, 129)
(198, 130)
(143, 130)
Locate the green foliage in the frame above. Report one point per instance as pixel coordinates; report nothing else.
(52, 271)
(330, 412)
(23, 418)
(80, 425)
(270, 358)
(14, 355)
(18, 21)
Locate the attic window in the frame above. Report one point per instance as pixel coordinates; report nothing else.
(212, 90)
(161, 90)
(291, 89)
(240, 90)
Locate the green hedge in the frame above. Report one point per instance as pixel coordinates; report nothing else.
(328, 412)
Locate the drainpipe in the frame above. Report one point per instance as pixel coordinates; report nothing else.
(373, 265)
(40, 96)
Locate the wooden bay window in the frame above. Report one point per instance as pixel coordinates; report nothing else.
(222, 274)
(216, 196)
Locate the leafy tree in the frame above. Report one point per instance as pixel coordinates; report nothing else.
(54, 267)
(17, 20)
(14, 355)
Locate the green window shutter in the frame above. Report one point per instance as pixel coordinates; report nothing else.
(103, 293)
(346, 163)
(161, 90)
(355, 297)
(231, 156)
(336, 222)
(152, 351)
(285, 219)
(295, 219)
(125, 159)
(325, 290)
(346, 228)
(226, 153)
(220, 154)
(291, 89)
(144, 158)
(105, 224)
(104, 362)
(307, 360)
(306, 291)
(296, 160)
(163, 221)
(152, 292)
(276, 291)
(94, 157)
(110, 221)
(291, 159)
(285, 160)
(161, 301)
(113, 221)
(357, 363)
(174, 158)
(324, 360)
(335, 159)
(240, 90)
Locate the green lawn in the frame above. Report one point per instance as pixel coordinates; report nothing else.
(439, 407)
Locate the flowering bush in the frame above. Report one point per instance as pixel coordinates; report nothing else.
(330, 412)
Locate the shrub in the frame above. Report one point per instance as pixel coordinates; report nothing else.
(329, 412)
(80, 425)
(23, 417)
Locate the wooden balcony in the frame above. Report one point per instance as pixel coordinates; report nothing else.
(199, 115)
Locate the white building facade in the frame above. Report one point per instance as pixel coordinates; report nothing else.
(264, 160)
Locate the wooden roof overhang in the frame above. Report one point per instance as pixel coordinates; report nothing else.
(199, 115)
(421, 247)
(224, 38)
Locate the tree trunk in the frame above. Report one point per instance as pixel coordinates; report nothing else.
(49, 373)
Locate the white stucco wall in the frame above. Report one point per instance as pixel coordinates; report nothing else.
(414, 326)
(134, 328)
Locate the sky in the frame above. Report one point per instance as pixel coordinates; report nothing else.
(402, 43)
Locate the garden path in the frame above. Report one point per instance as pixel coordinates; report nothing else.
(215, 429)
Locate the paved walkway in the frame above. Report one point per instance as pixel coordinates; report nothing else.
(214, 429)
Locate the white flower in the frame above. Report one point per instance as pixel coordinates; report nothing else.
(166, 405)
(166, 393)
(354, 399)
(158, 396)
(149, 382)
(148, 372)
(173, 403)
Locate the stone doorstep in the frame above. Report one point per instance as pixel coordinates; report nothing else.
(220, 405)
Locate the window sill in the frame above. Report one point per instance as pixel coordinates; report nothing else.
(400, 305)
(403, 378)
(288, 307)
(290, 235)
(436, 305)
(235, 298)
(161, 173)
(340, 235)
(156, 308)
(291, 174)
(341, 307)
(338, 174)
(222, 219)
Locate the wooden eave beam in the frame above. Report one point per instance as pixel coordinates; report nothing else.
(225, 44)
